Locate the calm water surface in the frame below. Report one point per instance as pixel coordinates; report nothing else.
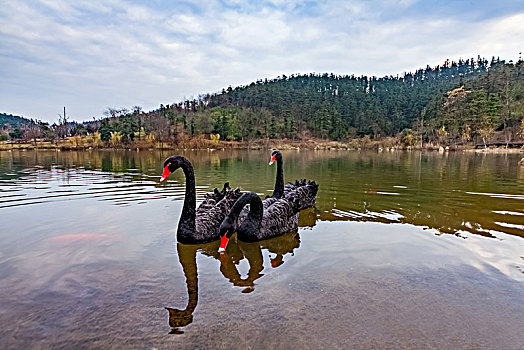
(402, 250)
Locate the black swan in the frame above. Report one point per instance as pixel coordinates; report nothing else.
(280, 189)
(265, 222)
(199, 225)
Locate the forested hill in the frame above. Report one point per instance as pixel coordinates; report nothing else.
(336, 107)
(464, 102)
(13, 121)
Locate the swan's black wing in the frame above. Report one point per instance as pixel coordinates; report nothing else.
(217, 195)
(304, 195)
(308, 196)
(211, 199)
(291, 186)
(279, 217)
(209, 215)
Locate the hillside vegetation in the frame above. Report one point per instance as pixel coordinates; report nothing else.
(468, 102)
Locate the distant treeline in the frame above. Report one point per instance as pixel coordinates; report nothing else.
(470, 101)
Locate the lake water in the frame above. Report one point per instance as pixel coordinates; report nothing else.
(402, 250)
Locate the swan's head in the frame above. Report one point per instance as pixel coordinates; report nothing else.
(171, 164)
(274, 156)
(226, 230)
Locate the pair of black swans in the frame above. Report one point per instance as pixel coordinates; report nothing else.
(222, 213)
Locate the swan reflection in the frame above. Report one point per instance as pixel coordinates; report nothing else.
(252, 252)
(278, 248)
(187, 257)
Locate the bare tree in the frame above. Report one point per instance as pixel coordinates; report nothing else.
(158, 125)
(62, 129)
(32, 132)
(116, 112)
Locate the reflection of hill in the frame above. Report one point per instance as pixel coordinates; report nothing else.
(444, 218)
(477, 193)
(110, 160)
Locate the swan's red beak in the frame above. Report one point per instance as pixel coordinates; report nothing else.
(165, 174)
(272, 159)
(223, 243)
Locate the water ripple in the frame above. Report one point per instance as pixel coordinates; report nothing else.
(74, 184)
(499, 195)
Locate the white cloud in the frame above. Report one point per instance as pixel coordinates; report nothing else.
(88, 55)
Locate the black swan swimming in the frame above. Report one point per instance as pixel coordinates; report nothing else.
(280, 189)
(265, 222)
(199, 225)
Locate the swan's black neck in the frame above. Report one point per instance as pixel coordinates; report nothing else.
(186, 225)
(278, 192)
(251, 225)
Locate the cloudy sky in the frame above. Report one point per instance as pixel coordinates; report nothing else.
(89, 55)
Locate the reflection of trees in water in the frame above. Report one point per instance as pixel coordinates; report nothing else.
(450, 215)
(236, 252)
(446, 192)
(110, 160)
(438, 191)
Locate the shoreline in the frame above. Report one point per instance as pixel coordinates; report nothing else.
(281, 144)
